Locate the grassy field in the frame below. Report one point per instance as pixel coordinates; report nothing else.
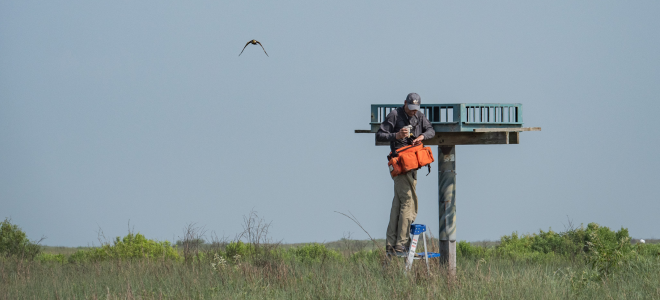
(497, 278)
(590, 262)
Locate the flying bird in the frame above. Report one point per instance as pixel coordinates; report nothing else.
(253, 42)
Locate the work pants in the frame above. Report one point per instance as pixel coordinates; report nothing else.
(404, 209)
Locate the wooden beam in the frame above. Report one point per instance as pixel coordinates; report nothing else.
(507, 129)
(464, 138)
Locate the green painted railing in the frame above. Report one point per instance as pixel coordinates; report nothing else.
(460, 116)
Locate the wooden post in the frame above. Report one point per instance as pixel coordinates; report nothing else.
(447, 206)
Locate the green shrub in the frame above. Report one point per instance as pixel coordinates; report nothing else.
(569, 243)
(543, 242)
(132, 246)
(48, 257)
(366, 256)
(606, 249)
(235, 250)
(647, 249)
(315, 252)
(603, 249)
(514, 244)
(14, 242)
(465, 249)
(201, 256)
(551, 242)
(603, 238)
(81, 256)
(259, 255)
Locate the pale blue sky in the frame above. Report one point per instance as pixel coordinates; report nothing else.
(143, 111)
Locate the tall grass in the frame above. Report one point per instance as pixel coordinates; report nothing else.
(557, 278)
(581, 263)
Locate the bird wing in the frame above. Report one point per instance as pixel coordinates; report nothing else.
(262, 47)
(244, 48)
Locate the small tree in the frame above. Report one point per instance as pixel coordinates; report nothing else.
(193, 238)
(14, 242)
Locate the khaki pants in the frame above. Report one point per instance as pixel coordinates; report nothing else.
(404, 210)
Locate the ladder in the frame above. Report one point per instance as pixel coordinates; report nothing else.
(411, 256)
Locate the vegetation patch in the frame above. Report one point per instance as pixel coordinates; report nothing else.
(14, 242)
(132, 246)
(591, 262)
(315, 253)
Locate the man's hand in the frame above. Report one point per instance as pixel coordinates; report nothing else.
(418, 140)
(404, 132)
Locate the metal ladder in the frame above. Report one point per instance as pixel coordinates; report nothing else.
(415, 231)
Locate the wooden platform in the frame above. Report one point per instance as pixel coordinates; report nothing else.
(482, 136)
(463, 123)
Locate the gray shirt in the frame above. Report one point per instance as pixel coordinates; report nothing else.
(398, 119)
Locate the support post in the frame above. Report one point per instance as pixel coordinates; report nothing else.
(447, 206)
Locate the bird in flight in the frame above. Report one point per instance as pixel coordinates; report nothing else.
(253, 42)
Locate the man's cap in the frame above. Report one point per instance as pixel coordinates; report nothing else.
(413, 101)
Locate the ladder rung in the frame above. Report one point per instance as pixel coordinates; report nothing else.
(419, 255)
(431, 255)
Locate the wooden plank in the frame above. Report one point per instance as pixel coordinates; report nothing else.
(463, 138)
(507, 129)
(467, 138)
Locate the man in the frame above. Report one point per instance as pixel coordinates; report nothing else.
(404, 205)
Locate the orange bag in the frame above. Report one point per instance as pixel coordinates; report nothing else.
(425, 156)
(409, 158)
(395, 167)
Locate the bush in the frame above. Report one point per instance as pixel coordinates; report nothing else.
(259, 255)
(239, 249)
(572, 242)
(465, 249)
(647, 249)
(132, 246)
(367, 256)
(552, 242)
(48, 257)
(606, 249)
(603, 249)
(601, 238)
(315, 252)
(14, 242)
(543, 242)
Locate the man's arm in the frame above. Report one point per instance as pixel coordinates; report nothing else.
(386, 131)
(427, 130)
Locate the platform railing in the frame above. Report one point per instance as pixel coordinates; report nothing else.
(493, 113)
(459, 116)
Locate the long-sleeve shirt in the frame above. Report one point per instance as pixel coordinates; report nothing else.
(398, 119)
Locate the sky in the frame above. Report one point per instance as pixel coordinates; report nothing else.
(142, 115)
